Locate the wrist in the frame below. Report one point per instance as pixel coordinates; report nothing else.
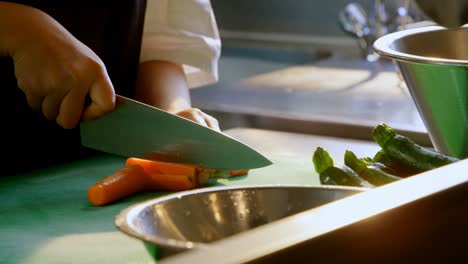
(15, 23)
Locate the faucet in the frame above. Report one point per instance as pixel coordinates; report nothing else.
(385, 16)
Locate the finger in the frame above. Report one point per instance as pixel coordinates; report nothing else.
(211, 122)
(193, 115)
(102, 98)
(71, 108)
(34, 101)
(51, 106)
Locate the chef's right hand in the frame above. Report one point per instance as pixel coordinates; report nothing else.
(56, 71)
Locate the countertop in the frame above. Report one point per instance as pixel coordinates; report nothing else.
(352, 94)
(46, 217)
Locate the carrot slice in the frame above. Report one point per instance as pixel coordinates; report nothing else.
(235, 173)
(140, 174)
(124, 182)
(170, 182)
(160, 167)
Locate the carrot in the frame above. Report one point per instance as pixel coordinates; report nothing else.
(171, 182)
(235, 173)
(161, 167)
(124, 182)
(141, 174)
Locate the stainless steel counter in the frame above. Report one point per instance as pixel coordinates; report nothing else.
(330, 96)
(300, 146)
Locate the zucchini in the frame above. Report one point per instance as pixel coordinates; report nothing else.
(332, 174)
(392, 166)
(406, 152)
(368, 171)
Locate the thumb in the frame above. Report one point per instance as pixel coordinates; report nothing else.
(102, 97)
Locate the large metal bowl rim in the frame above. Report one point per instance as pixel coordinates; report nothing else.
(123, 221)
(383, 46)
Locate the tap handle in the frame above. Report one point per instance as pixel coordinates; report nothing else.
(354, 19)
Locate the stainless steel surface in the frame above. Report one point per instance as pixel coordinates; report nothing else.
(447, 13)
(333, 97)
(431, 44)
(240, 59)
(433, 61)
(420, 217)
(194, 219)
(312, 124)
(298, 147)
(134, 129)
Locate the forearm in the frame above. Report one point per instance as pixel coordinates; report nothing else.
(8, 11)
(163, 85)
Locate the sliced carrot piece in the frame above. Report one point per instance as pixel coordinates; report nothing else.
(238, 172)
(160, 167)
(141, 174)
(124, 182)
(171, 182)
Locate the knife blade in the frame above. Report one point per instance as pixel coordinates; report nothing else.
(134, 129)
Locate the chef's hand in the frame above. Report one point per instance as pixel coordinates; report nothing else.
(55, 70)
(196, 115)
(163, 84)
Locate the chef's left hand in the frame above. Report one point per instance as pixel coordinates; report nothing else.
(198, 116)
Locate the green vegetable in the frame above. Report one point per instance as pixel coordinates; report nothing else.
(391, 166)
(330, 173)
(408, 153)
(368, 170)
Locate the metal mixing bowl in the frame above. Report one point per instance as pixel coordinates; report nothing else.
(434, 63)
(193, 219)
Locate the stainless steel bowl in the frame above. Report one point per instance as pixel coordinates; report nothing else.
(193, 219)
(434, 63)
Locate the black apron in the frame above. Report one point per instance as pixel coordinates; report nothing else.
(113, 30)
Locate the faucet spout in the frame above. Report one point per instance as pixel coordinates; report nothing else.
(384, 17)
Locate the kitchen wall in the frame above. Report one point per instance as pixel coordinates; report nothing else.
(310, 23)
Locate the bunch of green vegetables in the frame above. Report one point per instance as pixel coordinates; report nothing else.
(398, 158)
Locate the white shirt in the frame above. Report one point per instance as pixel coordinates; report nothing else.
(184, 32)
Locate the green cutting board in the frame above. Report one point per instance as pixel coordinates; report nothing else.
(46, 217)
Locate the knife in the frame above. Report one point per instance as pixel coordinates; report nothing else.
(134, 129)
